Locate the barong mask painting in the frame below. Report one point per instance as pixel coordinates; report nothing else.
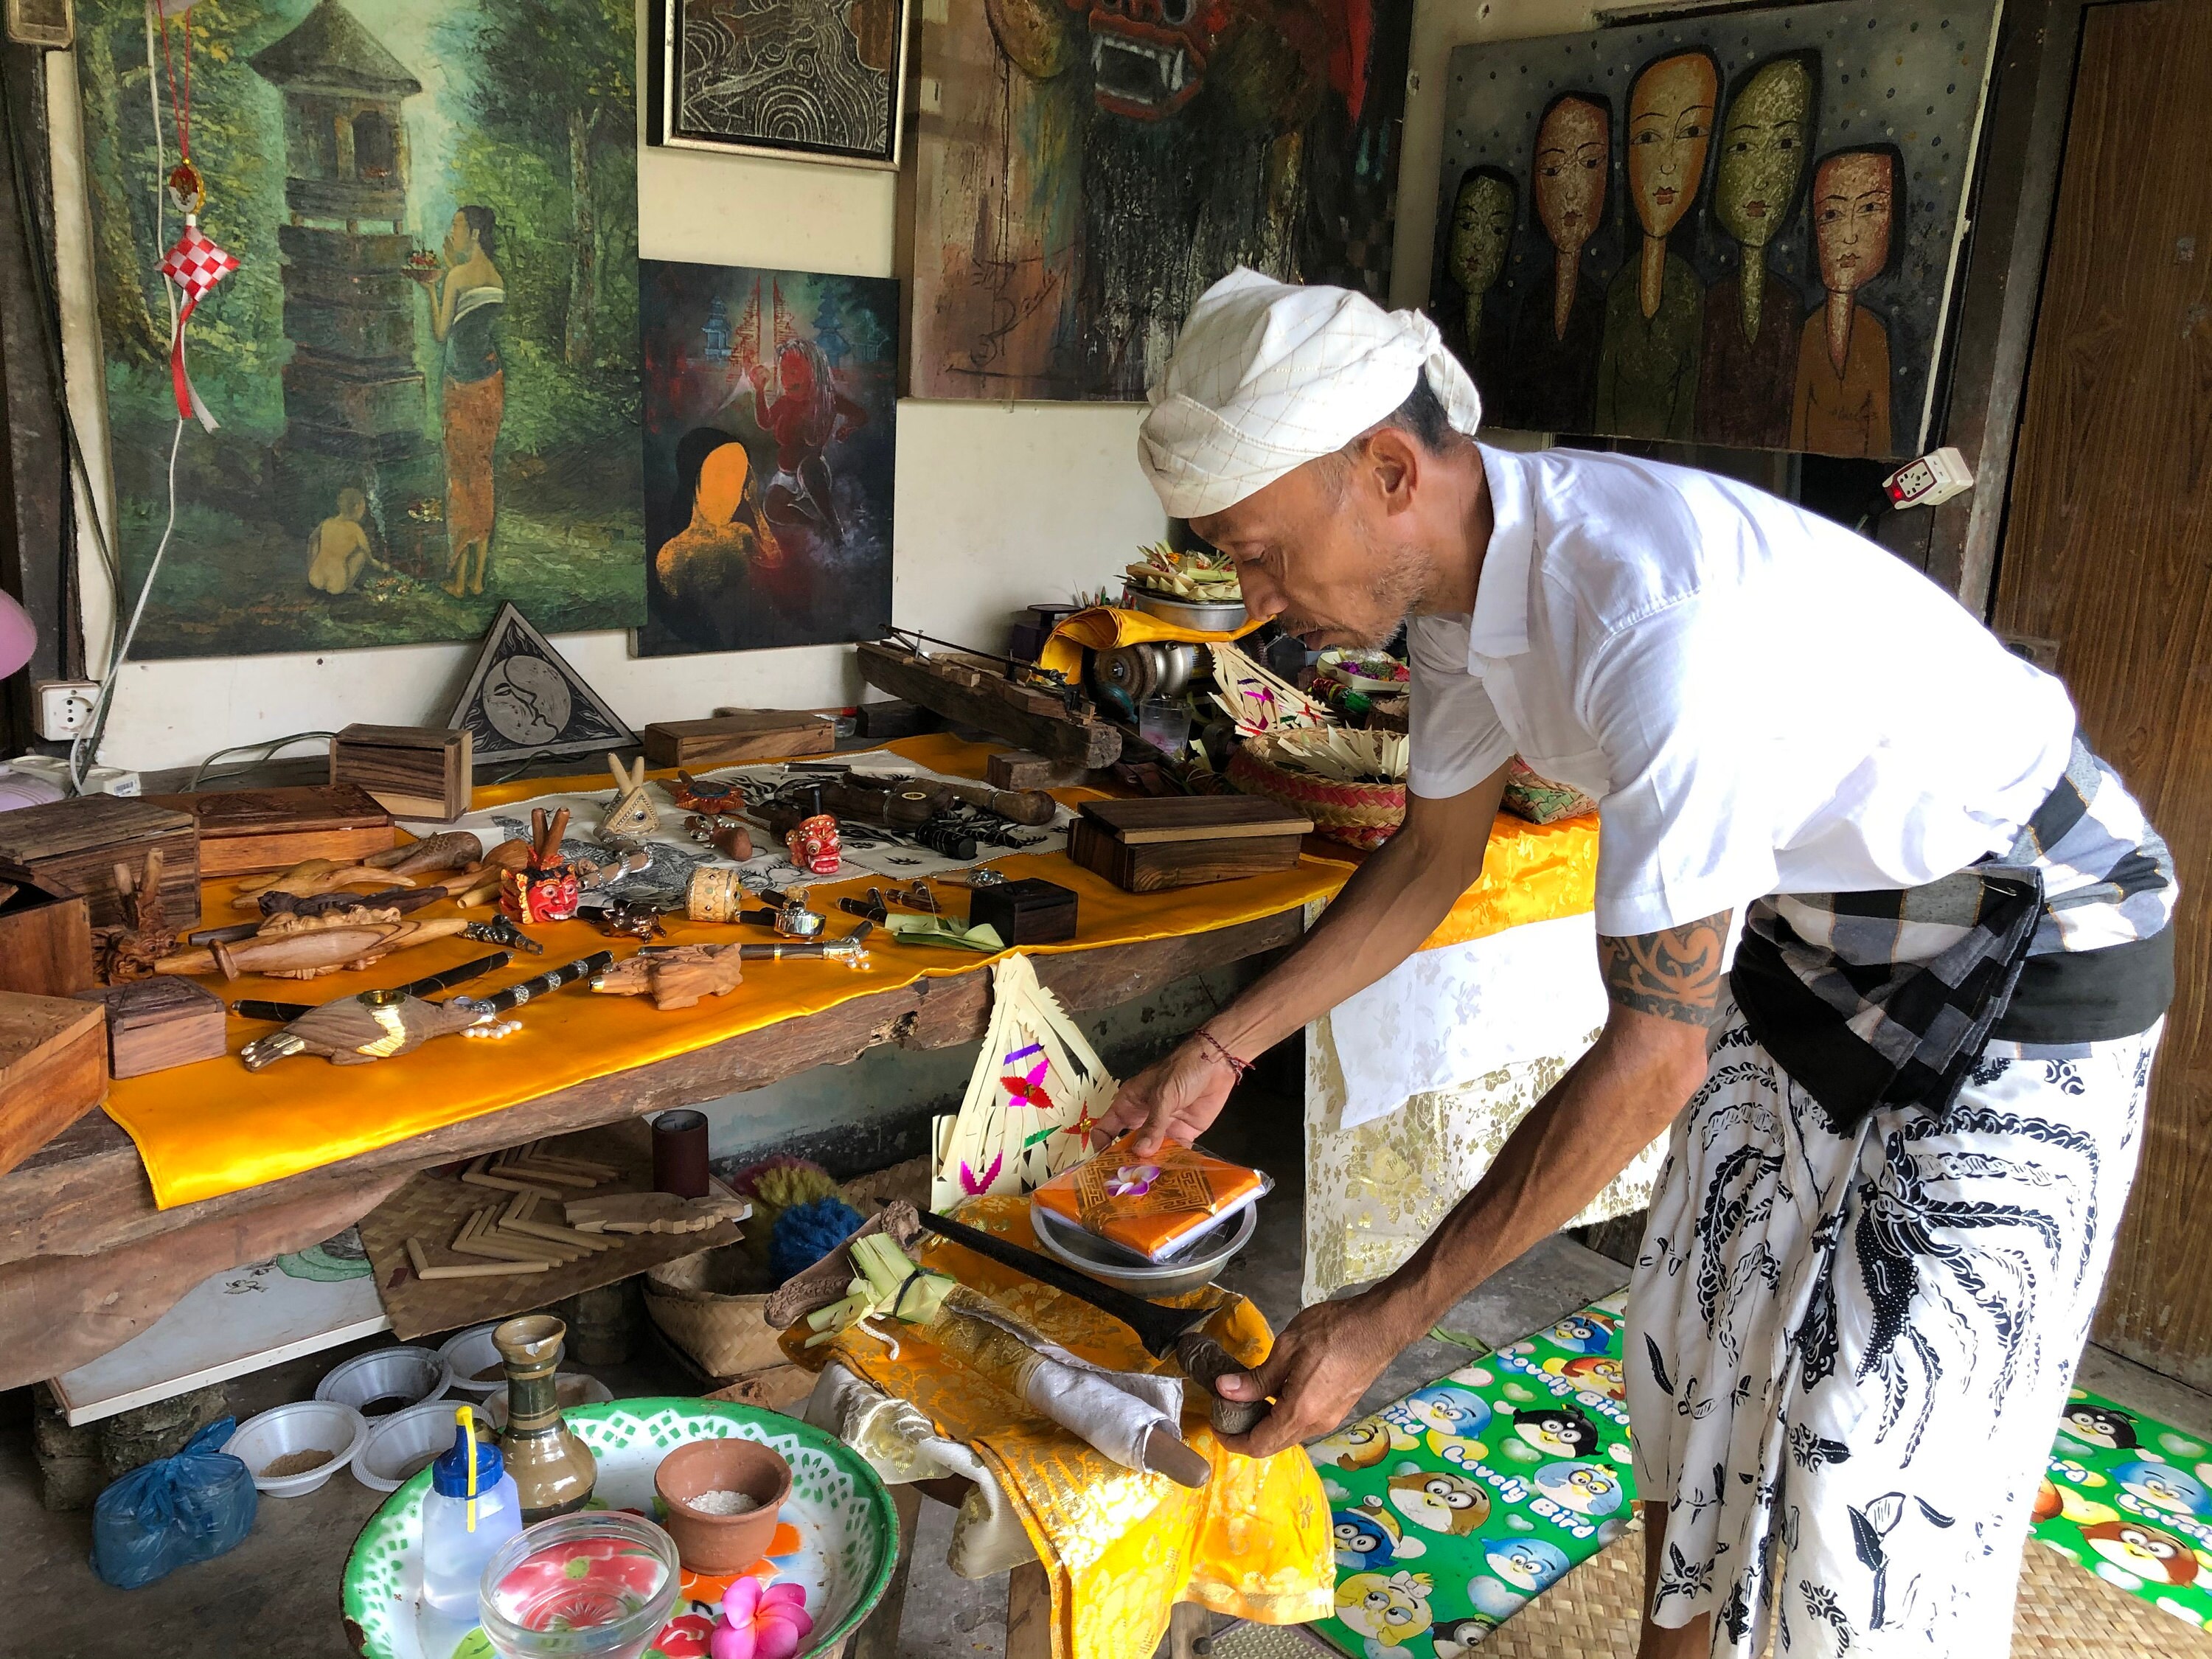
(1680, 310)
(424, 371)
(1085, 170)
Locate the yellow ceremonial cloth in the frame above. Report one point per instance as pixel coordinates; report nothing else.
(1119, 1547)
(214, 1127)
(1103, 627)
(1532, 872)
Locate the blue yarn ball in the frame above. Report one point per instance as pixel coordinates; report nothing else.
(807, 1232)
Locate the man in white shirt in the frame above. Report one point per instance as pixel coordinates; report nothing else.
(1911, 1106)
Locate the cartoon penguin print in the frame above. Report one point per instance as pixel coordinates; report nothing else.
(1369, 1538)
(1557, 1430)
(1587, 1333)
(2145, 1552)
(2100, 1425)
(1526, 1563)
(1449, 1504)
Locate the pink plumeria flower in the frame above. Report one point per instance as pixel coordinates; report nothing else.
(761, 1624)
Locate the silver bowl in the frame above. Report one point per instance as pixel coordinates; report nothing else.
(1203, 618)
(1194, 1265)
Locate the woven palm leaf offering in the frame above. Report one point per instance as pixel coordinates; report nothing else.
(1350, 784)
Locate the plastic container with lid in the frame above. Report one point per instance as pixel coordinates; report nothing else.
(456, 1542)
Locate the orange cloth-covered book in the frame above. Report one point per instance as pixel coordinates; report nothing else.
(1152, 1205)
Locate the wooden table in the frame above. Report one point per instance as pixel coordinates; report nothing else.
(86, 1261)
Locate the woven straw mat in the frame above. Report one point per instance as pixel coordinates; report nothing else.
(1592, 1613)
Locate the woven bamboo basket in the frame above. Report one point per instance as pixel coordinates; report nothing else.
(1363, 815)
(709, 1306)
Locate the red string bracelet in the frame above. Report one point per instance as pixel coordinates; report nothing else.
(1242, 1067)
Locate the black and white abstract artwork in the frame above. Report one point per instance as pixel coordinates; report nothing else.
(815, 80)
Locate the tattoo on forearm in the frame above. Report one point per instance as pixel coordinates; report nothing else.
(1674, 974)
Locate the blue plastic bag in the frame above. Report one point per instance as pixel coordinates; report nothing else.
(173, 1511)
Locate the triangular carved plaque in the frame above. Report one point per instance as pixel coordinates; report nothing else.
(522, 699)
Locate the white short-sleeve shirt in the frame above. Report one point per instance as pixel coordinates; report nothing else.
(1759, 701)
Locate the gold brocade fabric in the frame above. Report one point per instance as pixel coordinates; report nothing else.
(1375, 1192)
(1119, 1547)
(214, 1127)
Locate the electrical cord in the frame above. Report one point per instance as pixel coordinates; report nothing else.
(84, 751)
(263, 751)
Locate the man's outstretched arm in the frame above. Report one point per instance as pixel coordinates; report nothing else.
(1666, 994)
(1392, 903)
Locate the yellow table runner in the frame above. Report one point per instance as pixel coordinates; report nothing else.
(214, 1127)
(1120, 1548)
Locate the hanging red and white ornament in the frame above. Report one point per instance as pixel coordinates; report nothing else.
(196, 263)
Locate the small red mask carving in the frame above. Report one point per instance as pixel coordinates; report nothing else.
(527, 896)
(814, 845)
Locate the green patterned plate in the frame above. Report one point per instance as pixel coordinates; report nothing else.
(840, 1538)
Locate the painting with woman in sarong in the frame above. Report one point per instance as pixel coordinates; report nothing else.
(770, 406)
(1736, 229)
(422, 375)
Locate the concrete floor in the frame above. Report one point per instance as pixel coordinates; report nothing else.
(276, 1594)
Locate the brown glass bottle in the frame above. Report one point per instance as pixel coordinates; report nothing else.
(554, 1472)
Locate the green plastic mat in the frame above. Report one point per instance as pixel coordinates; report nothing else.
(1456, 1504)
(2130, 1498)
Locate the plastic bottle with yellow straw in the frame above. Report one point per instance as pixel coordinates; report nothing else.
(472, 1509)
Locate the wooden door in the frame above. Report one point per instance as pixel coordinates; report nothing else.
(2107, 552)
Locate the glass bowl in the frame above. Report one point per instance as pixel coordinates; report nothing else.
(597, 1584)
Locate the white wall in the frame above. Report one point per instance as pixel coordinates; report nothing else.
(996, 505)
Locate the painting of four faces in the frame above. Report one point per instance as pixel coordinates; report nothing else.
(1741, 235)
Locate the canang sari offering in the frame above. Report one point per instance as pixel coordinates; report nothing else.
(1151, 1205)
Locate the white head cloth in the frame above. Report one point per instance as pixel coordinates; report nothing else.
(1268, 375)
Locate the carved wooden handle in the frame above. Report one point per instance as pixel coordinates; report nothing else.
(1205, 1362)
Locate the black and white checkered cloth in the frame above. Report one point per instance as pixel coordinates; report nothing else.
(1890, 997)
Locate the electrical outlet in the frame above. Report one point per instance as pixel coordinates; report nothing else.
(64, 708)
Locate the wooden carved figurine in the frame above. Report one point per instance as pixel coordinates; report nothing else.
(449, 850)
(290, 946)
(374, 1025)
(313, 876)
(675, 979)
(132, 953)
(633, 816)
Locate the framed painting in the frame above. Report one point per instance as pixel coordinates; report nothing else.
(1084, 172)
(423, 372)
(1736, 229)
(804, 80)
(770, 419)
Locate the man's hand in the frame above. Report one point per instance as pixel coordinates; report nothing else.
(1319, 1365)
(1176, 1098)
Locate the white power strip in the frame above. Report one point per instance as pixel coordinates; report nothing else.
(98, 780)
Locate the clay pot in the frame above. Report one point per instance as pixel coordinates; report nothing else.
(714, 1544)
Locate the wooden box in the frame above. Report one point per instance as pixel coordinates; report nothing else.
(413, 771)
(892, 717)
(75, 845)
(1024, 912)
(740, 735)
(53, 1068)
(155, 1023)
(46, 938)
(1143, 846)
(244, 832)
(1024, 768)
